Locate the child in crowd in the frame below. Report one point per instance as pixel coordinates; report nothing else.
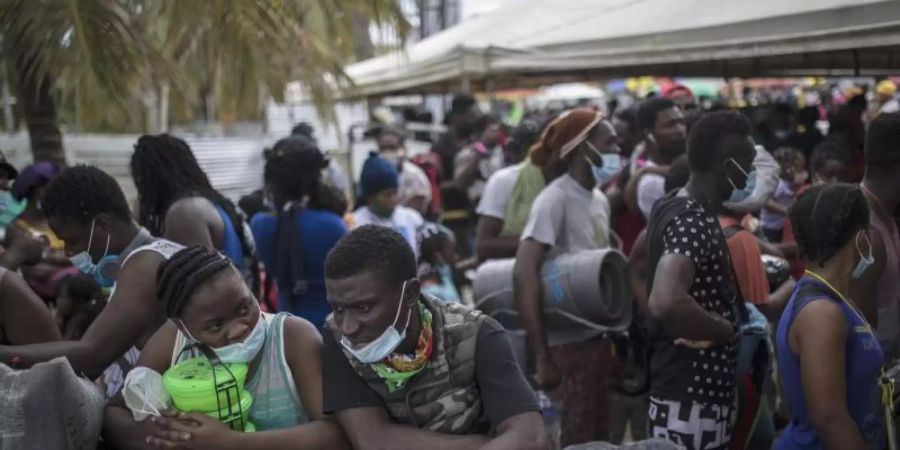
(830, 162)
(793, 176)
(379, 184)
(437, 259)
(80, 301)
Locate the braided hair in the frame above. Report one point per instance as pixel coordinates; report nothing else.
(165, 170)
(294, 171)
(179, 276)
(825, 217)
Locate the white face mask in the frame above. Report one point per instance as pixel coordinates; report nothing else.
(864, 261)
(239, 352)
(383, 345)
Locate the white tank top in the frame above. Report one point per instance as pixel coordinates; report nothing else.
(276, 402)
(114, 375)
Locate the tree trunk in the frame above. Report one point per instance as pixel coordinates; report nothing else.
(164, 107)
(39, 109)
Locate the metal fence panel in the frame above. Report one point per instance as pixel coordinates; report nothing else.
(234, 165)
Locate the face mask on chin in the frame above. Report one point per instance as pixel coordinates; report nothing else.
(239, 352)
(385, 344)
(85, 263)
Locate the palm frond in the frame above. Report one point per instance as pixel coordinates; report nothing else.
(51, 38)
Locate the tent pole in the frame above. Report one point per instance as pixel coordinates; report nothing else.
(465, 84)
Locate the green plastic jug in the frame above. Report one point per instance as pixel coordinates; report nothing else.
(196, 385)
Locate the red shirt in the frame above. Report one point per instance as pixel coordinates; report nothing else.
(746, 259)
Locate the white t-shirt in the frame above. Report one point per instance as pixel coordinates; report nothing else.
(405, 221)
(496, 194)
(413, 183)
(651, 187)
(569, 218)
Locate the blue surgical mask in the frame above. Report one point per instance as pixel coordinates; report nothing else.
(239, 352)
(83, 261)
(100, 274)
(864, 261)
(612, 164)
(383, 345)
(739, 195)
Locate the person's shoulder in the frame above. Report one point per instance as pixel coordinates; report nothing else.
(362, 216)
(322, 216)
(414, 169)
(407, 215)
(465, 153)
(652, 180)
(490, 325)
(151, 254)
(687, 217)
(297, 330)
(557, 187)
(263, 219)
(551, 197)
(191, 206)
(819, 309)
(502, 181)
(508, 172)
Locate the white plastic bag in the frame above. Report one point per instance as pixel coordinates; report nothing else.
(144, 393)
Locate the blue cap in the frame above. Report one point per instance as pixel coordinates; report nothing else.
(378, 175)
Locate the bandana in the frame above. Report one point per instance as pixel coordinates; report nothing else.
(571, 128)
(398, 368)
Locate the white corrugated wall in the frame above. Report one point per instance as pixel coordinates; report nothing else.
(234, 165)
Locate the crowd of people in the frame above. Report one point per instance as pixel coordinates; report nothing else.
(762, 260)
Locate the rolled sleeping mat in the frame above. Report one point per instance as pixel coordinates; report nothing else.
(585, 294)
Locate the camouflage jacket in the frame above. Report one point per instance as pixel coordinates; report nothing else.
(443, 397)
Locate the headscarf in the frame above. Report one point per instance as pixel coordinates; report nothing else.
(32, 177)
(564, 134)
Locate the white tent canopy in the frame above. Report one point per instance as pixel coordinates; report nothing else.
(457, 52)
(531, 42)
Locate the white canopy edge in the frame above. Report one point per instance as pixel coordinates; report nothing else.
(531, 42)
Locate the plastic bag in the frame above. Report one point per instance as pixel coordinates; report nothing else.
(144, 393)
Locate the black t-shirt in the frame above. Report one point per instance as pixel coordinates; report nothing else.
(679, 372)
(447, 148)
(504, 391)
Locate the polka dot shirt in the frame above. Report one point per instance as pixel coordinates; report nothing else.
(705, 376)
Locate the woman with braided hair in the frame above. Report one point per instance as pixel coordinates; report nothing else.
(178, 202)
(294, 240)
(825, 344)
(207, 303)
